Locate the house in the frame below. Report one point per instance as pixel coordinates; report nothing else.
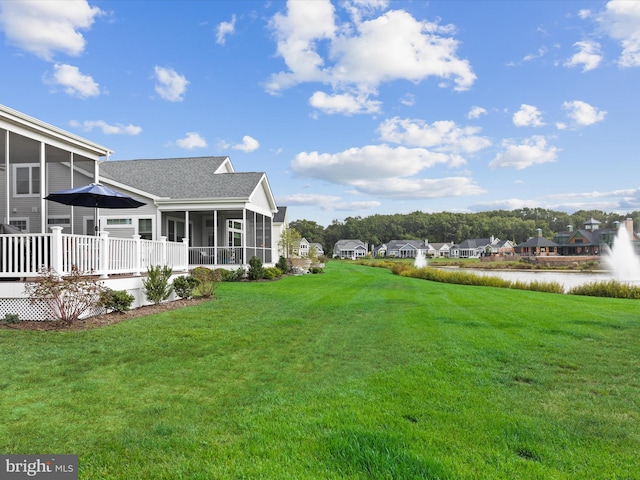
(478, 247)
(592, 240)
(404, 249)
(440, 250)
(537, 245)
(226, 216)
(302, 249)
(198, 211)
(319, 251)
(349, 249)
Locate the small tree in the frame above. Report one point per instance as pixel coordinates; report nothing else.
(256, 271)
(69, 297)
(289, 241)
(156, 285)
(283, 265)
(116, 300)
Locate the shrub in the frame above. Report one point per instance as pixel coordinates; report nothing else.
(156, 285)
(116, 300)
(283, 265)
(207, 281)
(256, 270)
(235, 275)
(316, 270)
(272, 272)
(10, 318)
(611, 289)
(69, 297)
(184, 286)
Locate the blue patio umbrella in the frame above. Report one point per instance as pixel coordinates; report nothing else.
(94, 195)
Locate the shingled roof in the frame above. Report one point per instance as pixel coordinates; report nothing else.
(182, 178)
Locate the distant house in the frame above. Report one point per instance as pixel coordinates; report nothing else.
(440, 250)
(478, 247)
(349, 249)
(591, 240)
(303, 248)
(403, 249)
(318, 248)
(537, 245)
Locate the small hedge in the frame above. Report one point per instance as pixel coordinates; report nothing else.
(611, 289)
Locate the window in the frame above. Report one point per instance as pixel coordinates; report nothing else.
(175, 230)
(26, 180)
(234, 233)
(21, 223)
(59, 221)
(119, 221)
(145, 228)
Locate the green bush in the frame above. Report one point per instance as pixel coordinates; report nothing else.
(235, 275)
(116, 300)
(10, 318)
(156, 284)
(256, 270)
(316, 270)
(611, 289)
(184, 286)
(272, 272)
(283, 265)
(207, 281)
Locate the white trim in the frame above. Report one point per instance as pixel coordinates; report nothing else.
(30, 166)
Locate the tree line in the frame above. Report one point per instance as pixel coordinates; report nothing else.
(515, 225)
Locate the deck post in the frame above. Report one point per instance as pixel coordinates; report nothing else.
(138, 256)
(163, 245)
(185, 254)
(56, 251)
(103, 265)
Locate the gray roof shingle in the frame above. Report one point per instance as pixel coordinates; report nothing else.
(182, 178)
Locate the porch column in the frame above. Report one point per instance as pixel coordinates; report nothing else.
(244, 236)
(7, 182)
(71, 183)
(215, 237)
(103, 266)
(186, 224)
(43, 206)
(56, 250)
(137, 256)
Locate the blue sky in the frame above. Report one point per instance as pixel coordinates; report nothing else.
(351, 107)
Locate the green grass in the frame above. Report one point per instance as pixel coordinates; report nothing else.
(353, 374)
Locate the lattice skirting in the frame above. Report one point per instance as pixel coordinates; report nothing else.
(17, 303)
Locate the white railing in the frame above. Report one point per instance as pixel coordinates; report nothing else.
(26, 255)
(222, 256)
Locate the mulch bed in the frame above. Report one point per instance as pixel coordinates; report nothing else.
(103, 320)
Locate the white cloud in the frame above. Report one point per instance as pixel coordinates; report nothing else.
(73, 82)
(170, 85)
(326, 202)
(108, 129)
(191, 140)
(532, 56)
(506, 204)
(384, 171)
(46, 27)
(582, 113)
(225, 29)
(441, 136)
(249, 144)
(344, 103)
(621, 21)
(532, 151)
(476, 112)
(584, 13)
(527, 116)
(317, 48)
(588, 56)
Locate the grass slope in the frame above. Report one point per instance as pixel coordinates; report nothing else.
(354, 374)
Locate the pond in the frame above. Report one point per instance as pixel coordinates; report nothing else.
(567, 279)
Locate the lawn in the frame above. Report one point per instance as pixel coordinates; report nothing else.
(353, 374)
